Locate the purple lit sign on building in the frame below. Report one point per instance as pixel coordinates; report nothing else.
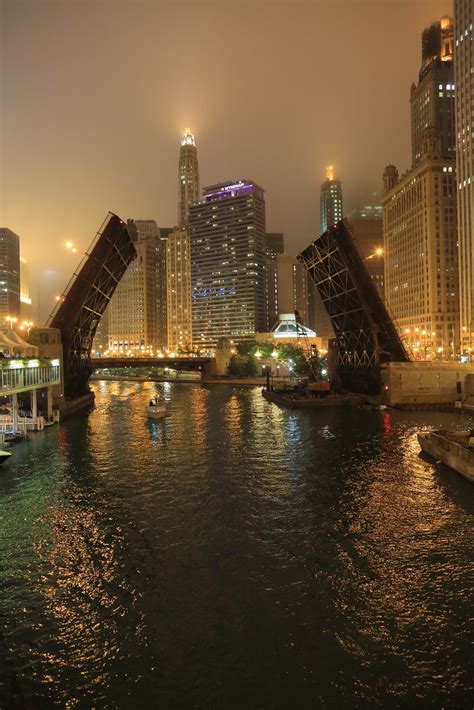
(229, 191)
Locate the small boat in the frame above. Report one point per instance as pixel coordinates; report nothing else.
(4, 456)
(156, 409)
(453, 448)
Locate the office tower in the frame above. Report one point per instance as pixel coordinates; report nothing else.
(188, 177)
(432, 101)
(178, 285)
(419, 222)
(330, 201)
(274, 245)
(227, 231)
(366, 227)
(9, 276)
(292, 287)
(25, 299)
(132, 311)
(464, 101)
(162, 289)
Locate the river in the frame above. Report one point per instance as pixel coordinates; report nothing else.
(234, 555)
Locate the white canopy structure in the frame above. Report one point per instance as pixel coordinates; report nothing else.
(13, 343)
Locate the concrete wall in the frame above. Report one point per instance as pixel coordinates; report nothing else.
(426, 383)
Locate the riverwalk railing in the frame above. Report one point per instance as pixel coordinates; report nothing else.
(22, 375)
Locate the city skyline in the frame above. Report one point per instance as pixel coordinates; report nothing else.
(51, 145)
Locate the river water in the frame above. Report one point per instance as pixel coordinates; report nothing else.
(234, 555)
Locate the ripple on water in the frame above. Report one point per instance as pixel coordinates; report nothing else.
(234, 553)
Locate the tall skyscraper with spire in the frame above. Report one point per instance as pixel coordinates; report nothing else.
(178, 249)
(330, 201)
(188, 177)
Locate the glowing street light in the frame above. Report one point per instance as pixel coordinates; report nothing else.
(378, 252)
(73, 249)
(27, 325)
(11, 320)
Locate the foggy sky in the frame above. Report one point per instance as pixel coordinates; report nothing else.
(95, 96)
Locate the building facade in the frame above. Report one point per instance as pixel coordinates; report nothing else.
(131, 317)
(274, 245)
(419, 215)
(9, 276)
(178, 280)
(162, 288)
(25, 296)
(227, 233)
(464, 82)
(330, 213)
(330, 201)
(366, 227)
(292, 280)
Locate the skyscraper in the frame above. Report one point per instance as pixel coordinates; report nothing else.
(178, 262)
(464, 81)
(330, 201)
(9, 275)
(419, 213)
(188, 177)
(227, 231)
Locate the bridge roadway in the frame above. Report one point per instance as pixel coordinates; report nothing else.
(176, 363)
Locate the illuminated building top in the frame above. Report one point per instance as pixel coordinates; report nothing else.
(187, 138)
(330, 172)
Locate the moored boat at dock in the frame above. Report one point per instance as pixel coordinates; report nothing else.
(453, 448)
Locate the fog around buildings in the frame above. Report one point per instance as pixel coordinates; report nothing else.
(95, 96)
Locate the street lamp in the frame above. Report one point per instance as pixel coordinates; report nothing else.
(27, 325)
(11, 320)
(73, 249)
(378, 252)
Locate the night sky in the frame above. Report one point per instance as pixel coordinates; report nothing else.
(95, 95)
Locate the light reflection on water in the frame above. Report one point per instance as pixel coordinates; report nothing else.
(234, 553)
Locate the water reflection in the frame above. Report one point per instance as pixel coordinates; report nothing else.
(236, 553)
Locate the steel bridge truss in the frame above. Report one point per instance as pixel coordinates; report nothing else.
(365, 334)
(86, 297)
